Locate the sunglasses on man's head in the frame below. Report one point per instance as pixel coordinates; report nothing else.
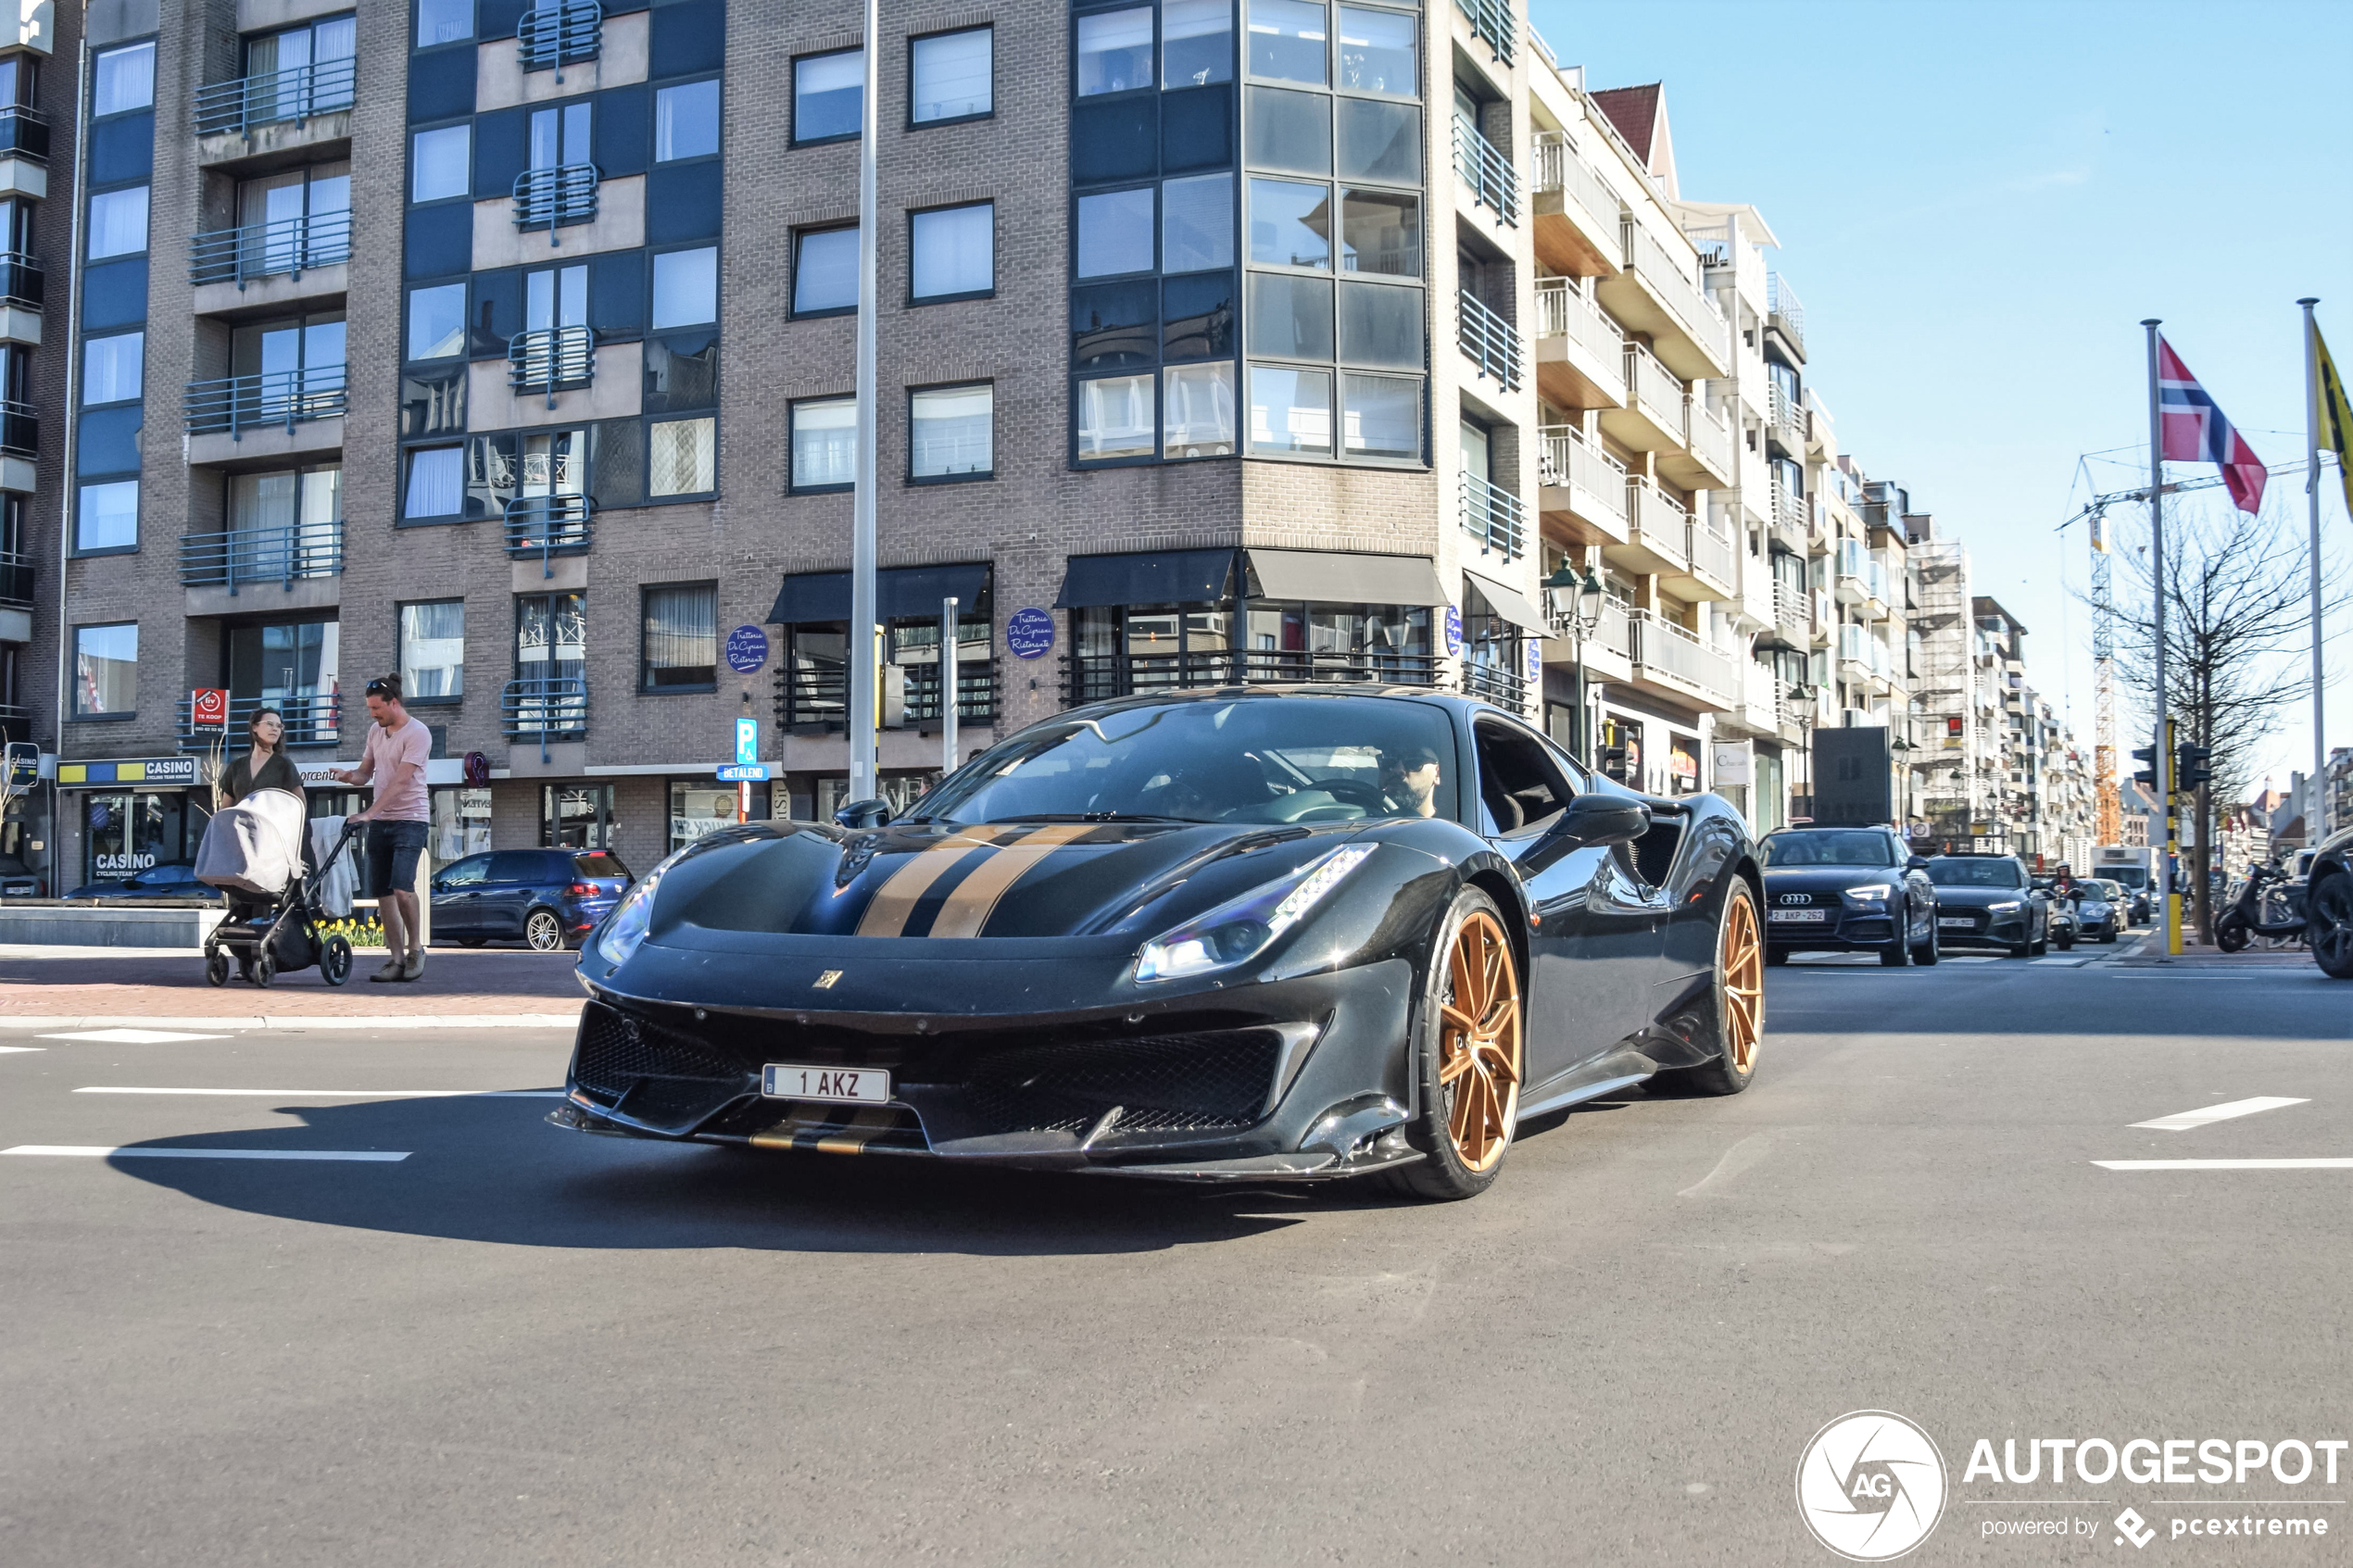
(377, 688)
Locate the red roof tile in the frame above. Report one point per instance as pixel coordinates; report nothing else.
(1634, 110)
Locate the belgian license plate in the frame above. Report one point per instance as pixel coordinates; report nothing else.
(844, 1085)
(1816, 915)
(1964, 923)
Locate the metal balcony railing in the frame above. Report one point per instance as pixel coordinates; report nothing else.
(568, 33)
(237, 404)
(20, 430)
(1494, 516)
(1711, 550)
(245, 556)
(1786, 419)
(1493, 182)
(18, 575)
(1558, 167)
(311, 719)
(1498, 678)
(555, 199)
(1659, 522)
(24, 132)
(1711, 435)
(975, 692)
(21, 281)
(1668, 280)
(1784, 313)
(1488, 340)
(1793, 610)
(1492, 20)
(294, 95)
(551, 358)
(548, 526)
(1596, 482)
(1561, 311)
(1656, 391)
(544, 708)
(1092, 677)
(1663, 647)
(264, 250)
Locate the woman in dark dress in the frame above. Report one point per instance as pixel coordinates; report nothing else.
(264, 766)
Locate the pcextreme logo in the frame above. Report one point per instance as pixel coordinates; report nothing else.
(1870, 1486)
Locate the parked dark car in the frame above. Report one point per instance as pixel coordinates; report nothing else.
(547, 899)
(1847, 890)
(175, 882)
(2329, 905)
(18, 881)
(1989, 900)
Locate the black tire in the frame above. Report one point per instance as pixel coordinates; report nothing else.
(2065, 944)
(216, 968)
(2022, 949)
(1732, 1066)
(2230, 934)
(1443, 1173)
(335, 960)
(1898, 954)
(1927, 953)
(472, 941)
(542, 932)
(1776, 957)
(265, 969)
(2330, 926)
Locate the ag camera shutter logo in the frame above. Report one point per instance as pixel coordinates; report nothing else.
(1870, 1486)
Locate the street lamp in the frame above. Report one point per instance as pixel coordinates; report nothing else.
(1582, 618)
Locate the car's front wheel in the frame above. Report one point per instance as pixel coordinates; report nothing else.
(1740, 1001)
(2331, 924)
(1468, 1054)
(1932, 950)
(1898, 954)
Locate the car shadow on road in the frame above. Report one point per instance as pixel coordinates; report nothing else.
(492, 1171)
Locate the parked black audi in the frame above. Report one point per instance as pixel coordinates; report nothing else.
(1990, 901)
(1847, 890)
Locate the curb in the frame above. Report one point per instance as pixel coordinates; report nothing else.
(200, 1024)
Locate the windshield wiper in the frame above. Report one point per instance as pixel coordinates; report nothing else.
(1094, 817)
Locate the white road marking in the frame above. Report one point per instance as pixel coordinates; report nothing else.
(131, 1036)
(2223, 1112)
(2224, 1164)
(1972, 958)
(94, 1151)
(11, 1050)
(2060, 963)
(336, 1094)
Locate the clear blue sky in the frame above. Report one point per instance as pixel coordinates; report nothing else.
(1978, 202)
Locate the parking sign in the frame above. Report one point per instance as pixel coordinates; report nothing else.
(746, 740)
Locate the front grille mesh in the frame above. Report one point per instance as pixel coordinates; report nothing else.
(616, 1052)
(1164, 1084)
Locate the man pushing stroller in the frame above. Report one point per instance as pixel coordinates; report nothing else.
(397, 823)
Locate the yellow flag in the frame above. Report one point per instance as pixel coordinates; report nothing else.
(2335, 415)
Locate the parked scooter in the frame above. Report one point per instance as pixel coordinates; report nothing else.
(2243, 920)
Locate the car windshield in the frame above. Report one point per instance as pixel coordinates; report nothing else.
(2103, 889)
(1859, 848)
(1250, 760)
(1975, 874)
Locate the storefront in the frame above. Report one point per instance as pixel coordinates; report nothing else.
(131, 815)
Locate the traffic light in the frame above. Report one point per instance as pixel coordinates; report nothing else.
(2190, 768)
(2146, 756)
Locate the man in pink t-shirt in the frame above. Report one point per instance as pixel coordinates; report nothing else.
(398, 820)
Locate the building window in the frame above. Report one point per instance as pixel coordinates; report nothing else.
(1196, 43)
(684, 459)
(685, 288)
(106, 670)
(681, 649)
(828, 96)
(561, 135)
(576, 816)
(952, 252)
(436, 483)
(106, 517)
(824, 278)
(460, 823)
(1115, 233)
(440, 163)
(1287, 40)
(1378, 52)
(1199, 402)
(1381, 417)
(950, 76)
(1197, 223)
(824, 443)
(700, 808)
(1115, 418)
(432, 650)
(686, 121)
(126, 80)
(1115, 51)
(438, 321)
(950, 433)
(111, 367)
(444, 21)
(289, 499)
(119, 223)
(1290, 411)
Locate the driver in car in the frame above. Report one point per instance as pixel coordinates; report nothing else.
(1409, 780)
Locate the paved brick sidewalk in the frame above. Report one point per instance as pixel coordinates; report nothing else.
(130, 983)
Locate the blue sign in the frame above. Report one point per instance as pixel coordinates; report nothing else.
(745, 772)
(1454, 632)
(1535, 659)
(746, 650)
(1029, 633)
(746, 740)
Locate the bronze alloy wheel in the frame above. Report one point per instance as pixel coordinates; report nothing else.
(1478, 1043)
(1744, 966)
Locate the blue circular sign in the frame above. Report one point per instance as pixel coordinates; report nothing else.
(1535, 659)
(1454, 632)
(1029, 633)
(746, 650)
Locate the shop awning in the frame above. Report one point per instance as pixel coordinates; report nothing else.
(1331, 577)
(1509, 603)
(901, 593)
(1154, 577)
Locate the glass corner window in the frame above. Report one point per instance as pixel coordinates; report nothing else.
(1115, 51)
(1288, 41)
(1379, 52)
(1115, 418)
(1290, 411)
(1196, 43)
(444, 21)
(1199, 405)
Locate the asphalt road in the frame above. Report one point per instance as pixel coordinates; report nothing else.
(522, 1346)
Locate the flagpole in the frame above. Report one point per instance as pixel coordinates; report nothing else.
(2172, 899)
(2316, 813)
(858, 647)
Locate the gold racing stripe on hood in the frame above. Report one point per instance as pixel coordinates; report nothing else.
(975, 898)
(895, 899)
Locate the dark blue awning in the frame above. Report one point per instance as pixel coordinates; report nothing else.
(901, 593)
(1153, 577)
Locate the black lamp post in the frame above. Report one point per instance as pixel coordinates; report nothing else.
(1582, 618)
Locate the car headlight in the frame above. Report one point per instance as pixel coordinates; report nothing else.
(2006, 906)
(625, 928)
(1875, 893)
(1241, 929)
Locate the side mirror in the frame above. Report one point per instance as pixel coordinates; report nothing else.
(864, 814)
(1917, 863)
(1603, 818)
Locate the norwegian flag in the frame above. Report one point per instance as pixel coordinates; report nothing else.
(2198, 432)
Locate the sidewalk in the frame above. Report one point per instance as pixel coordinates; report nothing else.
(2150, 953)
(114, 982)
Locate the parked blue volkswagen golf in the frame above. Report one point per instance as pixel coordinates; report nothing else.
(547, 899)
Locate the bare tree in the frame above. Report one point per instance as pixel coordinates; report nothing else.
(2238, 625)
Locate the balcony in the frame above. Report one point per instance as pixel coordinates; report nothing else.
(544, 709)
(1581, 356)
(1488, 340)
(1579, 218)
(1494, 516)
(20, 430)
(1494, 183)
(570, 33)
(18, 577)
(290, 246)
(1785, 421)
(1501, 685)
(1715, 563)
(243, 556)
(976, 693)
(23, 283)
(1584, 482)
(1667, 656)
(1493, 21)
(1657, 295)
(1095, 677)
(1784, 315)
(1651, 420)
(1659, 531)
(548, 526)
(291, 96)
(1853, 571)
(235, 405)
(1793, 612)
(556, 198)
(1711, 443)
(24, 132)
(310, 718)
(550, 358)
(1789, 527)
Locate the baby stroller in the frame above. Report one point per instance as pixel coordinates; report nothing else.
(271, 938)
